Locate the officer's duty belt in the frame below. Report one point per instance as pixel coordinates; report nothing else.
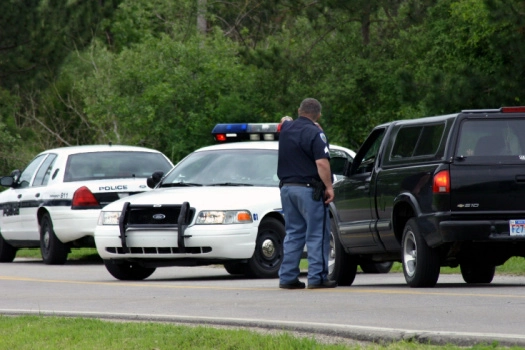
(296, 184)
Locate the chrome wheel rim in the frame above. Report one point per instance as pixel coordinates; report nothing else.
(268, 248)
(410, 253)
(331, 256)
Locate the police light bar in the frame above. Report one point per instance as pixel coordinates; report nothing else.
(245, 131)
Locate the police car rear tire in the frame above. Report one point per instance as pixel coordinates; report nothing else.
(53, 251)
(268, 254)
(7, 251)
(128, 271)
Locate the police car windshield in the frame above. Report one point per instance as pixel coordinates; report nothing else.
(113, 164)
(235, 167)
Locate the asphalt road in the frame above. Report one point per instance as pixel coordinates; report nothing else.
(374, 308)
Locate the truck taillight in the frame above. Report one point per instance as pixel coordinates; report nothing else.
(441, 182)
(83, 198)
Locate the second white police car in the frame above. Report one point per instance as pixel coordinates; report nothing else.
(219, 205)
(55, 201)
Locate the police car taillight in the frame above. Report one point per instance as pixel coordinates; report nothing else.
(519, 109)
(245, 132)
(83, 198)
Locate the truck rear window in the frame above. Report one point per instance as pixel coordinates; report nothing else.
(491, 137)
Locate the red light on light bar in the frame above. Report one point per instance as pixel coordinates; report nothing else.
(519, 109)
(220, 137)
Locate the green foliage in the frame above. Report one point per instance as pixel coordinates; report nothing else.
(141, 72)
(167, 94)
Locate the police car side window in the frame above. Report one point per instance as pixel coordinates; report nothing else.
(44, 172)
(29, 171)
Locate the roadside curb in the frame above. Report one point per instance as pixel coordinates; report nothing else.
(353, 332)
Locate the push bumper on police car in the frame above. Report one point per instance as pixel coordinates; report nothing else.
(176, 242)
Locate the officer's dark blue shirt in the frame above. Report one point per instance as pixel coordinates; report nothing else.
(301, 143)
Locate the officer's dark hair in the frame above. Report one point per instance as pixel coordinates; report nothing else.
(310, 106)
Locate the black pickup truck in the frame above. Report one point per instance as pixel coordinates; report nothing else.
(438, 191)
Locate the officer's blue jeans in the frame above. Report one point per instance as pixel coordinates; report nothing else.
(304, 220)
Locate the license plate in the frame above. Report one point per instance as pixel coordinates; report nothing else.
(517, 227)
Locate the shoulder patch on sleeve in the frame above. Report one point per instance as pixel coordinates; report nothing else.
(323, 137)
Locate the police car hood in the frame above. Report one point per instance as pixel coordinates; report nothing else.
(206, 197)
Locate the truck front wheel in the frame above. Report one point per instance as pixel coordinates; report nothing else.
(420, 262)
(342, 268)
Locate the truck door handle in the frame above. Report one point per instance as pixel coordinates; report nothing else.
(520, 178)
(19, 196)
(37, 195)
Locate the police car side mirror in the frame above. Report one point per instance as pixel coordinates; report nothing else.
(7, 181)
(154, 179)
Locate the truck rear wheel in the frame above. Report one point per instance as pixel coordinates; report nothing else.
(342, 268)
(477, 273)
(420, 262)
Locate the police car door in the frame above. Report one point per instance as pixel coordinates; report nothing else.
(30, 196)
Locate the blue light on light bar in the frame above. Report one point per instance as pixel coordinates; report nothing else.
(246, 131)
(229, 128)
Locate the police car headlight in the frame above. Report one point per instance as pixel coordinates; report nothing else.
(109, 218)
(211, 217)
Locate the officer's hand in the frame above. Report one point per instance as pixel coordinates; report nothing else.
(328, 196)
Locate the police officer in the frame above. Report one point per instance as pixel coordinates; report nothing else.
(306, 190)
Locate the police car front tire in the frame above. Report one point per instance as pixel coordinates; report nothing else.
(127, 271)
(54, 252)
(7, 251)
(235, 268)
(268, 254)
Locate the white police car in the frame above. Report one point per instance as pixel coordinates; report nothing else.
(55, 202)
(219, 205)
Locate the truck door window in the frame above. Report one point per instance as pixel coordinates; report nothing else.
(365, 159)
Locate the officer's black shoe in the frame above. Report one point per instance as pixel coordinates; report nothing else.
(325, 284)
(294, 285)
